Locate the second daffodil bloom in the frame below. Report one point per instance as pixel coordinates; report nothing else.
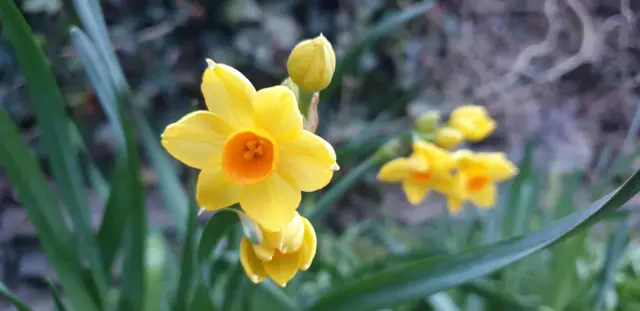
(428, 167)
(311, 64)
(251, 148)
(477, 178)
(280, 254)
(473, 121)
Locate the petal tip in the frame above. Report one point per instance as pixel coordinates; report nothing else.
(255, 279)
(334, 167)
(210, 64)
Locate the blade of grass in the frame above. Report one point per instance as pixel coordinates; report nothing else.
(188, 264)
(25, 175)
(425, 277)
(99, 78)
(617, 244)
(278, 296)
(171, 189)
(116, 216)
(49, 107)
(215, 229)
(13, 299)
(155, 273)
(57, 297)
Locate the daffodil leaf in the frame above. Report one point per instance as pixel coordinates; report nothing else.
(155, 260)
(215, 229)
(25, 175)
(13, 299)
(49, 107)
(57, 297)
(425, 277)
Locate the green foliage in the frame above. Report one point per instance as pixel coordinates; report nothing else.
(373, 265)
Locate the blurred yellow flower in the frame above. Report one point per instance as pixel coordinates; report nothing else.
(428, 167)
(281, 254)
(477, 178)
(473, 121)
(251, 148)
(428, 121)
(448, 137)
(311, 64)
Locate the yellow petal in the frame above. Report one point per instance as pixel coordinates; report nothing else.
(438, 158)
(309, 245)
(282, 268)
(482, 129)
(308, 161)
(454, 204)
(196, 138)
(443, 182)
(271, 203)
(215, 190)
(418, 162)
(276, 111)
(485, 198)
(264, 251)
(252, 265)
(293, 236)
(415, 192)
(229, 94)
(498, 166)
(394, 171)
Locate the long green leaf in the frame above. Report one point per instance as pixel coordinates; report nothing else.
(25, 175)
(155, 273)
(116, 216)
(215, 228)
(615, 250)
(171, 189)
(57, 297)
(188, 264)
(99, 78)
(49, 107)
(13, 299)
(425, 277)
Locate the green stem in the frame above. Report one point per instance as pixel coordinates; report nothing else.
(304, 101)
(388, 151)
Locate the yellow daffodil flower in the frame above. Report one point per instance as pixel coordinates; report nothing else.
(448, 137)
(473, 121)
(280, 254)
(477, 178)
(428, 167)
(311, 64)
(251, 148)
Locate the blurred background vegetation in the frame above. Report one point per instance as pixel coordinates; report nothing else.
(561, 77)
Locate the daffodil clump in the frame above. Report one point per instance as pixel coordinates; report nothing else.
(460, 175)
(253, 148)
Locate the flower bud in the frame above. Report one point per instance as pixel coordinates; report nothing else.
(428, 121)
(311, 64)
(448, 137)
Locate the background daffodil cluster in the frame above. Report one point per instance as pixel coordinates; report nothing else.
(253, 148)
(460, 175)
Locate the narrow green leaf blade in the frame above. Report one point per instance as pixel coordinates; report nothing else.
(25, 175)
(215, 229)
(57, 297)
(116, 216)
(13, 299)
(425, 277)
(155, 273)
(49, 107)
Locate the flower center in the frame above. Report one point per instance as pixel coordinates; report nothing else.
(421, 176)
(249, 157)
(476, 184)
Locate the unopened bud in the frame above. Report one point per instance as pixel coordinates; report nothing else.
(311, 64)
(448, 137)
(428, 121)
